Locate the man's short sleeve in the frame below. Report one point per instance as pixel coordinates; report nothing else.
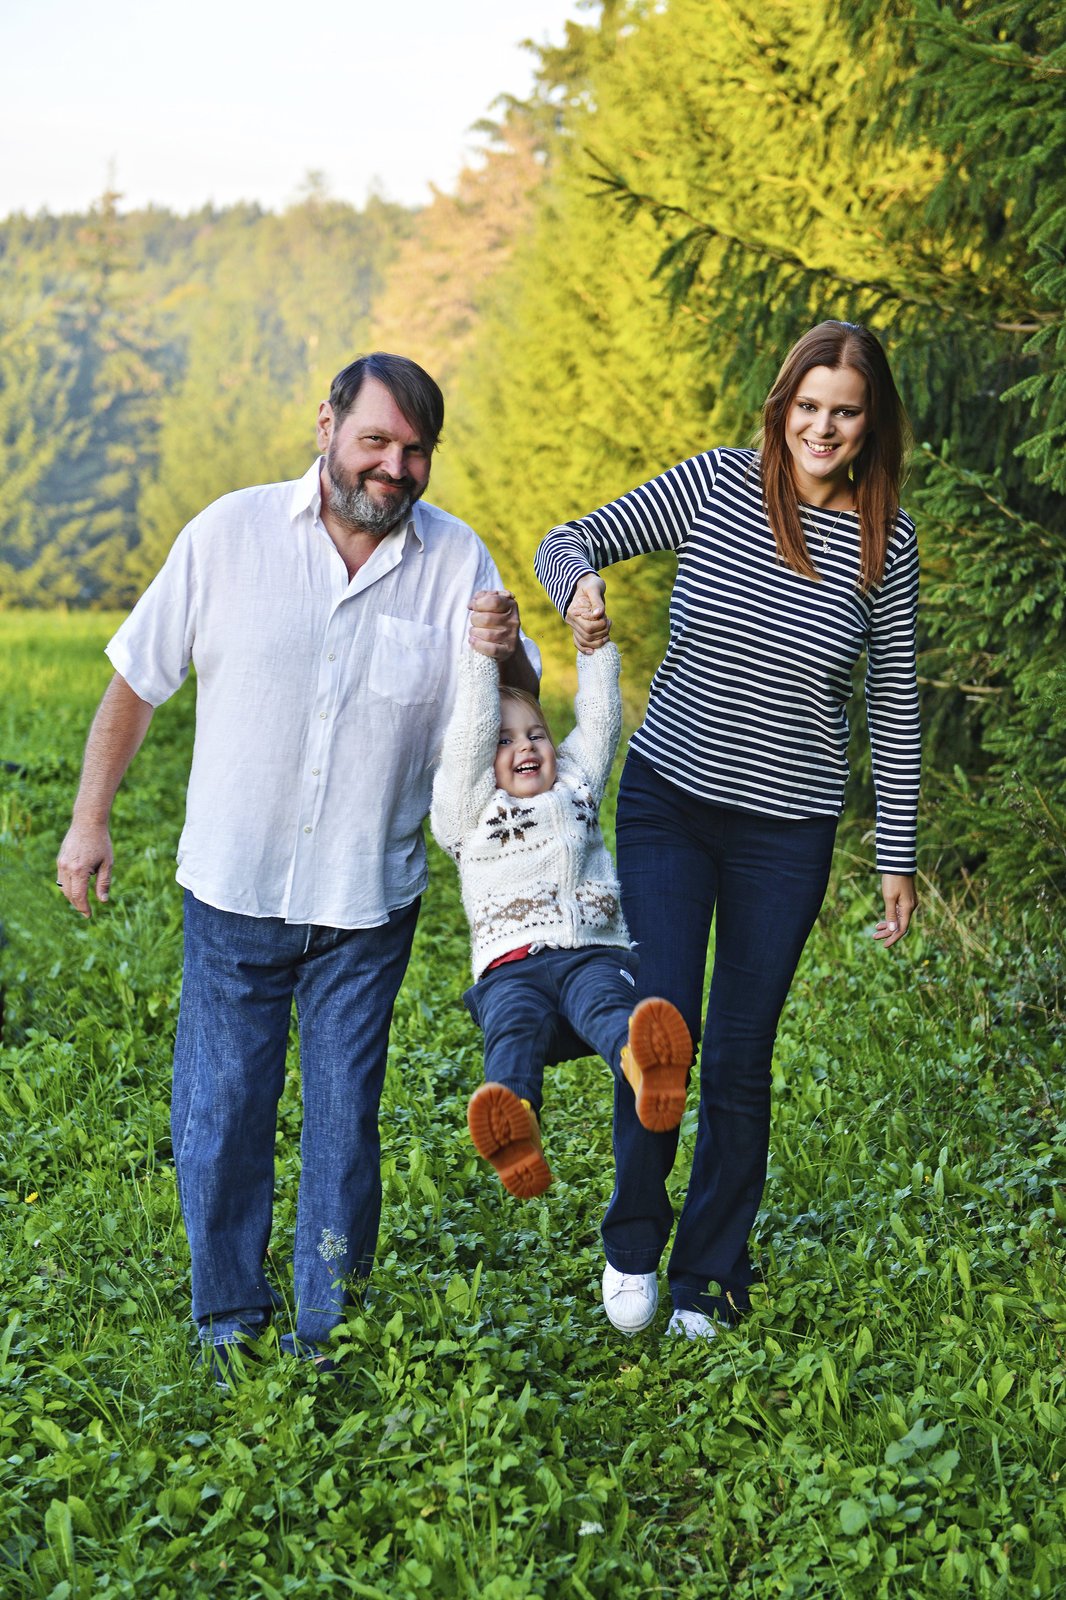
(153, 647)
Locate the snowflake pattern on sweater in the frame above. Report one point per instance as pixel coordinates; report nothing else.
(509, 822)
(533, 870)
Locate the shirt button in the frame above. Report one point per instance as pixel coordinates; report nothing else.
(315, 771)
(322, 716)
(307, 830)
(331, 656)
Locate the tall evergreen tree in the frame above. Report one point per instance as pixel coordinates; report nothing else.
(37, 434)
(986, 78)
(91, 493)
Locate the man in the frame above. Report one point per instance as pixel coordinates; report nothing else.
(325, 618)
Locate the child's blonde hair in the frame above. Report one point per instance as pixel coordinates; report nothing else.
(525, 698)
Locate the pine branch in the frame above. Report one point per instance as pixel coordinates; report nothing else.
(956, 33)
(1034, 533)
(702, 233)
(961, 688)
(993, 54)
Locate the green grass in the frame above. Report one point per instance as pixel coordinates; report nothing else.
(888, 1422)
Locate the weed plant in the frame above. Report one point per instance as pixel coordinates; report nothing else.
(889, 1421)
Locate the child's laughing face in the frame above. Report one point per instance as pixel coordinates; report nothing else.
(525, 755)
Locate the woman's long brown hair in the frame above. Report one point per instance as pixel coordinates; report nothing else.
(877, 471)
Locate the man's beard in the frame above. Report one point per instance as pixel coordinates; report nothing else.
(357, 508)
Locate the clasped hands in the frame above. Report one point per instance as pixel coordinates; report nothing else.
(494, 623)
(494, 619)
(587, 614)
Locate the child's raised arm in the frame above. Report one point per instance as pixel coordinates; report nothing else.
(465, 780)
(592, 744)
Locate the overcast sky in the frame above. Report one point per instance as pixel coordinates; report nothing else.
(223, 100)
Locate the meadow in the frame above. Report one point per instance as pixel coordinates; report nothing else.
(889, 1422)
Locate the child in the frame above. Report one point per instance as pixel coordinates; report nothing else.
(550, 950)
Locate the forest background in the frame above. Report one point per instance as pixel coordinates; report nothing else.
(608, 290)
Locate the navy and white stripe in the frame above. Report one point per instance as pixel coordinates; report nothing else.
(748, 708)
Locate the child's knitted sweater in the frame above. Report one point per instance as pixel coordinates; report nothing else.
(532, 870)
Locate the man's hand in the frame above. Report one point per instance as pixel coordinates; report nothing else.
(85, 853)
(586, 614)
(901, 903)
(494, 624)
(120, 724)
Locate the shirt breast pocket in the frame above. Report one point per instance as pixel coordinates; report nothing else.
(407, 660)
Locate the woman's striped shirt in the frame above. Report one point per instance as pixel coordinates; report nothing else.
(748, 708)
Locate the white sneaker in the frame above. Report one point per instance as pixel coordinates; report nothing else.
(692, 1325)
(630, 1299)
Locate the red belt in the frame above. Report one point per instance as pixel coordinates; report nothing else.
(512, 955)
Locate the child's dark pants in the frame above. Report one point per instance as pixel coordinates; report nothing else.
(553, 1005)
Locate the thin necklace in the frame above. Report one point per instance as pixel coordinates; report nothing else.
(825, 534)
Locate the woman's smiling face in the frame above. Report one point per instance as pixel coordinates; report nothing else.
(825, 431)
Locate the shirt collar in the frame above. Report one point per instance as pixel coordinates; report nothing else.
(307, 492)
(307, 497)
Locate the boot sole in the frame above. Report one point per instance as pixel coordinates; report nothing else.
(661, 1046)
(503, 1132)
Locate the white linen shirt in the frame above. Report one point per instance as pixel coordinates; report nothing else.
(321, 702)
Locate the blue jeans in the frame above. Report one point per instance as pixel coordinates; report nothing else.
(681, 862)
(553, 1006)
(241, 975)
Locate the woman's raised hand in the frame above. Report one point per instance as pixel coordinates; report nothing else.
(587, 615)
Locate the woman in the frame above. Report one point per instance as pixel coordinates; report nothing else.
(792, 560)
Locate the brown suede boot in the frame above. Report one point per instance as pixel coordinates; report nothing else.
(506, 1132)
(655, 1063)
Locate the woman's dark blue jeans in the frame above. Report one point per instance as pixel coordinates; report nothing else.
(682, 862)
